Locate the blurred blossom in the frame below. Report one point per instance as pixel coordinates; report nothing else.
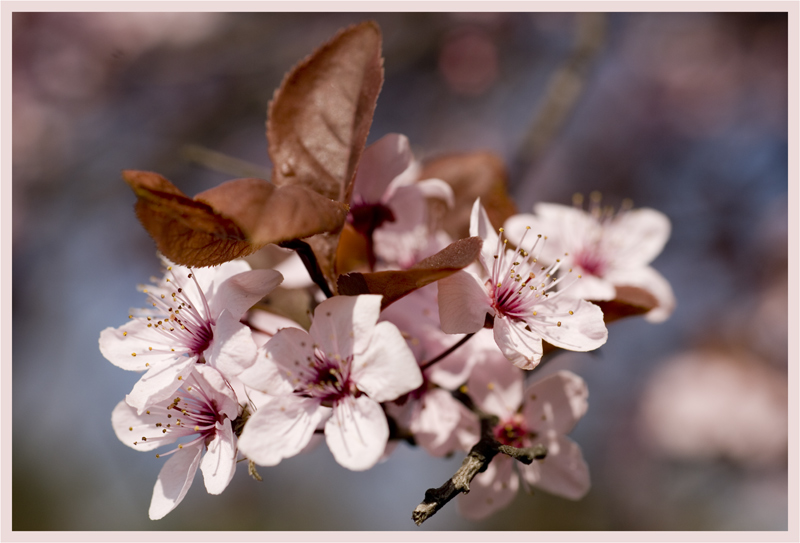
(468, 61)
(708, 405)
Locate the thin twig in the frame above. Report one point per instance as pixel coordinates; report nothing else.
(476, 462)
(222, 163)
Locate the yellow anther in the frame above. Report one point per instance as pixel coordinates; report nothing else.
(130, 316)
(527, 228)
(130, 428)
(162, 296)
(133, 354)
(169, 268)
(490, 386)
(571, 313)
(534, 313)
(501, 230)
(196, 428)
(559, 323)
(124, 333)
(150, 348)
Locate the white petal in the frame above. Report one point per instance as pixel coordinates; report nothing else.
(491, 490)
(381, 163)
(521, 347)
(637, 236)
(562, 472)
(387, 369)
(357, 432)
(436, 420)
(159, 383)
(496, 386)
(119, 344)
(295, 273)
(233, 349)
(174, 480)
(653, 283)
(292, 352)
(131, 427)
(479, 225)
(438, 189)
(453, 370)
(343, 324)
(217, 389)
(583, 330)
(591, 287)
(269, 323)
(463, 303)
(219, 462)
(557, 402)
(265, 376)
(239, 293)
(281, 429)
(210, 279)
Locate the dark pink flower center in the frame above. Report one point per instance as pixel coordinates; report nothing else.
(512, 431)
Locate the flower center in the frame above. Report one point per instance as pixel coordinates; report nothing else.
(329, 378)
(512, 431)
(591, 261)
(518, 282)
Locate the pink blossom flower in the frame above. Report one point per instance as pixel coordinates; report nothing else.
(390, 203)
(609, 250)
(194, 317)
(203, 409)
(544, 413)
(520, 295)
(338, 372)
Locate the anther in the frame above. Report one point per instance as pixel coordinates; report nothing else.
(559, 323)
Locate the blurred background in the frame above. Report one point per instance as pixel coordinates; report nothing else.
(685, 113)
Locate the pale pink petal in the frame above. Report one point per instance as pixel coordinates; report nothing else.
(357, 432)
(174, 480)
(556, 402)
(219, 462)
(386, 369)
(654, 283)
(295, 273)
(281, 429)
(343, 324)
(216, 388)
(496, 386)
(435, 420)
(265, 376)
(137, 431)
(269, 323)
(521, 347)
(562, 472)
(381, 163)
(233, 349)
(209, 279)
(437, 189)
(239, 293)
(453, 370)
(491, 490)
(591, 287)
(159, 383)
(637, 236)
(481, 226)
(463, 303)
(118, 345)
(583, 330)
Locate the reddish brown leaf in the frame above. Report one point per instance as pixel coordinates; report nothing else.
(228, 221)
(395, 284)
(630, 301)
(472, 175)
(319, 119)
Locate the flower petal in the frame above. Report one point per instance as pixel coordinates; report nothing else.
(463, 303)
(159, 383)
(481, 226)
(219, 462)
(387, 369)
(583, 330)
(496, 386)
(216, 388)
(491, 490)
(357, 432)
(435, 421)
(281, 429)
(556, 403)
(521, 347)
(438, 189)
(118, 345)
(239, 293)
(174, 480)
(233, 349)
(380, 164)
(637, 236)
(648, 279)
(131, 427)
(563, 472)
(343, 324)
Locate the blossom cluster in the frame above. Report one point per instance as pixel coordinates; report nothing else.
(430, 347)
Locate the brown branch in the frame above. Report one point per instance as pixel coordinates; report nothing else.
(476, 462)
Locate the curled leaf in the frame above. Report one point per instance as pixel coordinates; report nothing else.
(231, 220)
(472, 175)
(394, 284)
